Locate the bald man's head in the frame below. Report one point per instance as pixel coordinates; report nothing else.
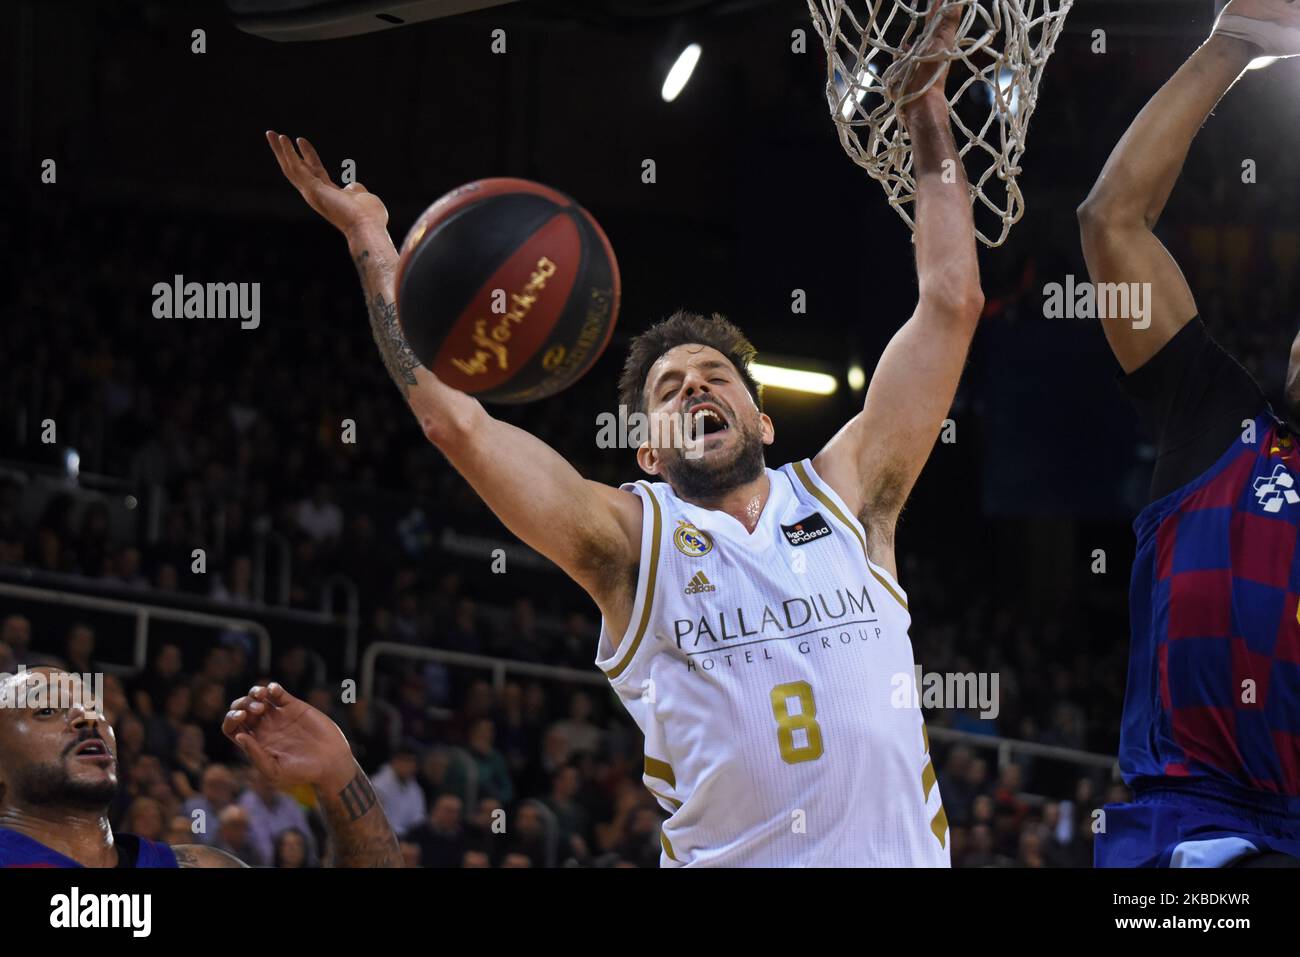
(56, 749)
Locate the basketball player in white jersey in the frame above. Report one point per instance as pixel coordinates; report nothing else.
(752, 621)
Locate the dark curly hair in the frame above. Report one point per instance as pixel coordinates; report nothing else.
(682, 328)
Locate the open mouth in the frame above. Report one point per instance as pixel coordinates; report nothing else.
(93, 749)
(706, 420)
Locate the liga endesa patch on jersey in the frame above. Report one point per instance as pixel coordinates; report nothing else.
(806, 530)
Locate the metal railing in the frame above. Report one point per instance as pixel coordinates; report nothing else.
(143, 614)
(352, 619)
(499, 667)
(259, 567)
(1007, 748)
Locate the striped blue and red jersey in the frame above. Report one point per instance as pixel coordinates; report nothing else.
(1210, 737)
(1214, 673)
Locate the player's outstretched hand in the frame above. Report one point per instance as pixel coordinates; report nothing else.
(1271, 25)
(287, 739)
(906, 84)
(350, 209)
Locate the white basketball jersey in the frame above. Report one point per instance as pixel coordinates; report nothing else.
(772, 676)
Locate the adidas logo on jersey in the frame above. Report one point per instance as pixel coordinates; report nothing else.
(699, 584)
(806, 530)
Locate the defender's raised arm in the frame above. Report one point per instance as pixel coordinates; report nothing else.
(1124, 206)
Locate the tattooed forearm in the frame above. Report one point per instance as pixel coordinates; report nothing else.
(357, 797)
(399, 360)
(358, 827)
(396, 352)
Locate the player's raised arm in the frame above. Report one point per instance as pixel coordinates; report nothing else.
(1124, 206)
(292, 743)
(591, 531)
(874, 461)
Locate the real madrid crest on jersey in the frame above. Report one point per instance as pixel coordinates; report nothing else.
(691, 541)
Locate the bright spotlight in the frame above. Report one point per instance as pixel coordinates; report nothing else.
(72, 464)
(681, 72)
(797, 380)
(1009, 90)
(860, 90)
(857, 378)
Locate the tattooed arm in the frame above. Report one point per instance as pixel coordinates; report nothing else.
(357, 825)
(362, 218)
(590, 530)
(292, 743)
(375, 257)
(378, 278)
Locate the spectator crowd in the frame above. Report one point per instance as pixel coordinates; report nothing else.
(524, 775)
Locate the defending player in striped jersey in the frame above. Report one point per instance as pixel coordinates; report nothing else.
(752, 623)
(1210, 741)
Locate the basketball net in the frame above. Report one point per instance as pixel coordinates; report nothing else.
(1001, 50)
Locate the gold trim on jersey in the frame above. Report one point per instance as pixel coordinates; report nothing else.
(664, 772)
(835, 510)
(884, 583)
(655, 534)
(668, 847)
(664, 797)
(661, 770)
(938, 823)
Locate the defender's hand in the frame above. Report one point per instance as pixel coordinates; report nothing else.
(1273, 26)
(287, 739)
(350, 210)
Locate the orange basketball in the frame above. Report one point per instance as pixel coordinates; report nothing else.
(507, 289)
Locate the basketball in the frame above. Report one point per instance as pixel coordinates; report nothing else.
(507, 290)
